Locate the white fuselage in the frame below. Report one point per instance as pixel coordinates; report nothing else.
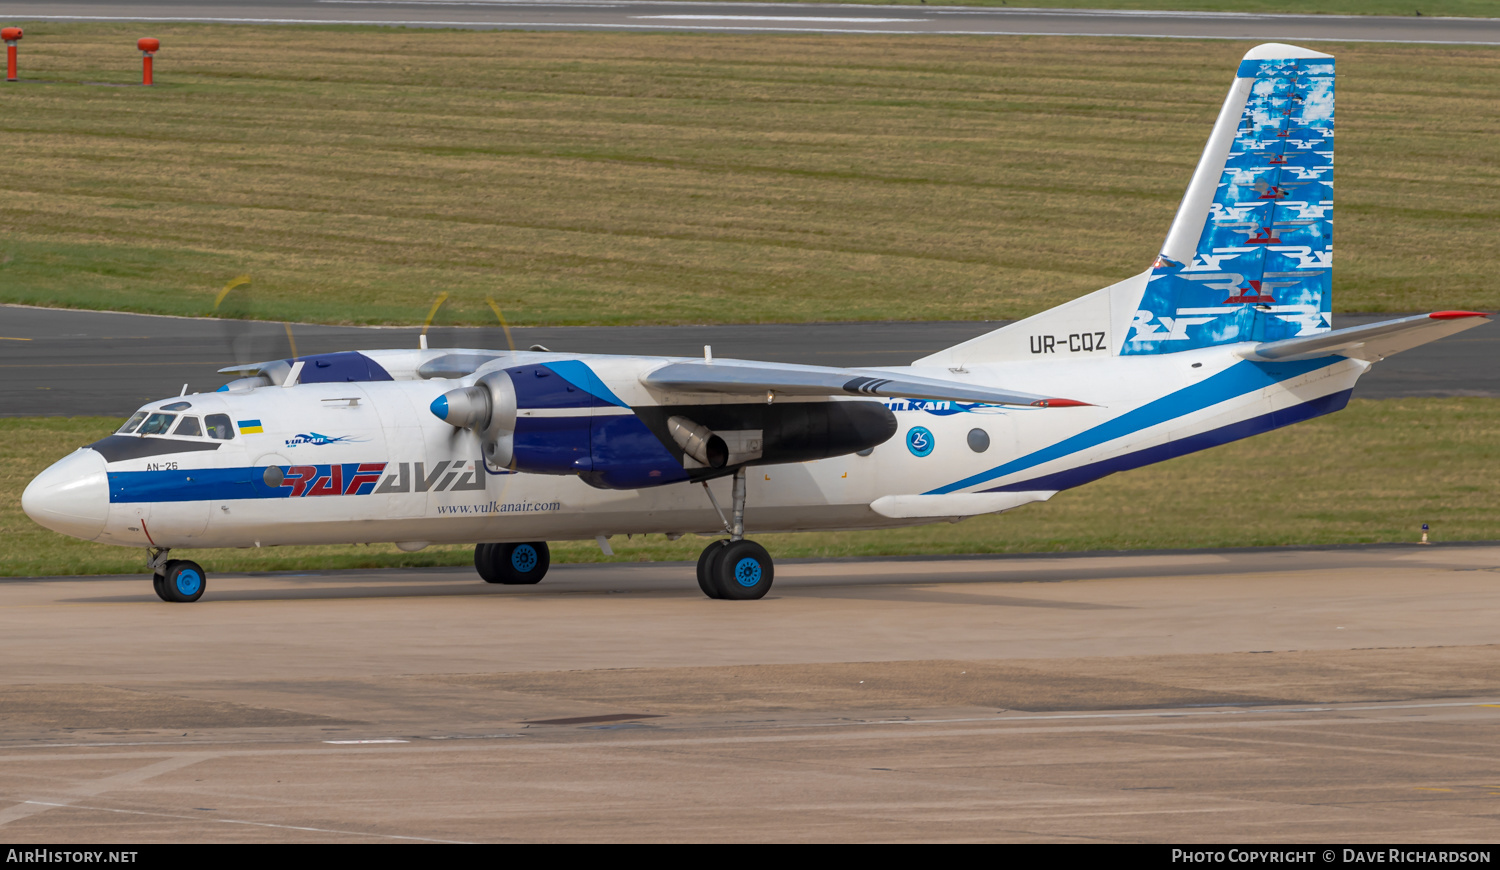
(431, 486)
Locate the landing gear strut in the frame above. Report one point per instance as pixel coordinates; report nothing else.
(735, 569)
(176, 580)
(512, 564)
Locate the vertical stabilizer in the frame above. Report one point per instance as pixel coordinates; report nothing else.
(1249, 256)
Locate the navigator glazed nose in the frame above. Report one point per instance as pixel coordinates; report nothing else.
(71, 497)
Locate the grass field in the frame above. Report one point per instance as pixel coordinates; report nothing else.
(1372, 473)
(354, 173)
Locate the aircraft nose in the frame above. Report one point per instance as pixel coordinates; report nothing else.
(71, 497)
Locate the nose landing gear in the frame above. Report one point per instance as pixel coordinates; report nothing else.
(736, 569)
(176, 580)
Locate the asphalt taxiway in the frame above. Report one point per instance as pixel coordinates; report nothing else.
(654, 15)
(1279, 695)
(55, 362)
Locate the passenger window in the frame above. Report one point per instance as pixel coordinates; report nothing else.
(157, 424)
(188, 426)
(134, 421)
(218, 427)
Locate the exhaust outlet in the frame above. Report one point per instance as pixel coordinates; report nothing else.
(698, 442)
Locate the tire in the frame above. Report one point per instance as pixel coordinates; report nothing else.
(159, 583)
(707, 561)
(183, 581)
(744, 572)
(484, 562)
(520, 564)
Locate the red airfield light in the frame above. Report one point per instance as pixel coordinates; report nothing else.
(148, 46)
(11, 35)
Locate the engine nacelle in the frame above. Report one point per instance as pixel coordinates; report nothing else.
(558, 417)
(489, 409)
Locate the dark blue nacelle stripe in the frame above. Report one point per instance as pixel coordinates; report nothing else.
(538, 386)
(1233, 432)
(1237, 380)
(339, 368)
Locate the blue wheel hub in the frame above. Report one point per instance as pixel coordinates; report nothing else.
(747, 572)
(189, 582)
(523, 558)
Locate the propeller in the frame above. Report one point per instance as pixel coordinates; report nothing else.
(254, 337)
(442, 327)
(247, 333)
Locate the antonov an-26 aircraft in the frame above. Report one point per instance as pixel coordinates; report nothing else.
(1226, 335)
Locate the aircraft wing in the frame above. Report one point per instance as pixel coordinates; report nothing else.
(744, 378)
(1372, 342)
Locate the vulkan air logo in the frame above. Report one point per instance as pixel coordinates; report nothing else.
(318, 440)
(365, 478)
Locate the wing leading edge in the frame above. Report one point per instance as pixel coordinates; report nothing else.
(744, 378)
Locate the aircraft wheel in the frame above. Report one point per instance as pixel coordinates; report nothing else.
(520, 564)
(707, 562)
(183, 582)
(159, 583)
(484, 562)
(744, 572)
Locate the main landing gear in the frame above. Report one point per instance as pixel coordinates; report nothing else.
(176, 580)
(735, 569)
(512, 564)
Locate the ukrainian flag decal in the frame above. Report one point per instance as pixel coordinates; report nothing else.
(250, 427)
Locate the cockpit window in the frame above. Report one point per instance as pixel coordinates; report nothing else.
(157, 424)
(188, 426)
(134, 421)
(218, 427)
(177, 406)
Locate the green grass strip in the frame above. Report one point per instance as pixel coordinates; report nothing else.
(584, 178)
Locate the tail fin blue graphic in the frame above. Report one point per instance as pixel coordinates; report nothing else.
(1250, 254)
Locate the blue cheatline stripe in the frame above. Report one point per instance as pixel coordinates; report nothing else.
(1181, 447)
(198, 484)
(581, 376)
(1237, 380)
(225, 484)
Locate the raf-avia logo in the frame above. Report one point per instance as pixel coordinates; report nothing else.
(919, 441)
(317, 440)
(366, 478)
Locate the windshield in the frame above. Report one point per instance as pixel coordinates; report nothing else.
(134, 421)
(157, 424)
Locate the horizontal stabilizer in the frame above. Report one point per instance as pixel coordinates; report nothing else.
(742, 378)
(1372, 342)
(957, 504)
